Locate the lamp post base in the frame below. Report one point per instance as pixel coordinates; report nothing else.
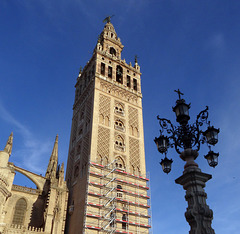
(198, 214)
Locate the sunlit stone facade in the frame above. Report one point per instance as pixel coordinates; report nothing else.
(106, 174)
(28, 210)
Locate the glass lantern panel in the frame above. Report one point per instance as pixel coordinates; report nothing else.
(177, 110)
(185, 110)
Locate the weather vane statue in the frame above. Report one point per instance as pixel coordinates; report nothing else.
(108, 19)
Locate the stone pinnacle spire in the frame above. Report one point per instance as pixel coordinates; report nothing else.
(8, 147)
(53, 162)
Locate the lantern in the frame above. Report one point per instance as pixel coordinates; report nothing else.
(182, 111)
(212, 135)
(166, 164)
(212, 158)
(162, 143)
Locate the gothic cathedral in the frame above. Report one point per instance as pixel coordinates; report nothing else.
(106, 174)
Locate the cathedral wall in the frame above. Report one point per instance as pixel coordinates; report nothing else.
(30, 198)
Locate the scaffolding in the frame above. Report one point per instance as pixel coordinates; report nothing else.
(107, 196)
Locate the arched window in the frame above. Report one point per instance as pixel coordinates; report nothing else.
(20, 211)
(124, 224)
(107, 121)
(119, 143)
(119, 186)
(118, 125)
(101, 119)
(102, 68)
(119, 74)
(119, 192)
(120, 163)
(119, 109)
(112, 50)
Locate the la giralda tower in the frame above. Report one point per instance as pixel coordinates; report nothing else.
(106, 172)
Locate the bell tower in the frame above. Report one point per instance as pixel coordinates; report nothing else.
(106, 174)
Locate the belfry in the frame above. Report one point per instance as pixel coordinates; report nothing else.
(106, 172)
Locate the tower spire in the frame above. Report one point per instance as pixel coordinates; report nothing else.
(53, 162)
(8, 147)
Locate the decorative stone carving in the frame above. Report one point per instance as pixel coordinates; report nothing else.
(134, 152)
(8, 147)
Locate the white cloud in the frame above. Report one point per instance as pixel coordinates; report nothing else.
(33, 151)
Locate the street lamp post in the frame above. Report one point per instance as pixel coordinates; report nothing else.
(189, 137)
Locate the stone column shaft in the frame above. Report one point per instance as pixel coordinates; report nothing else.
(198, 214)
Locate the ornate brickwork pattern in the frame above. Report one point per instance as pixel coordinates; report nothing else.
(133, 116)
(134, 152)
(104, 105)
(74, 129)
(86, 147)
(103, 142)
(118, 92)
(88, 108)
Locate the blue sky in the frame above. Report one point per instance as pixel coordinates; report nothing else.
(191, 45)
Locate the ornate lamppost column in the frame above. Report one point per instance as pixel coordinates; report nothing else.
(189, 137)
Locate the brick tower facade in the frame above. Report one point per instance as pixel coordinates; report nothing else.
(106, 174)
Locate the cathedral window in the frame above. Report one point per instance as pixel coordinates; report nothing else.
(119, 186)
(119, 143)
(20, 211)
(128, 81)
(135, 84)
(124, 224)
(112, 51)
(119, 195)
(119, 125)
(103, 69)
(109, 72)
(119, 74)
(120, 163)
(119, 109)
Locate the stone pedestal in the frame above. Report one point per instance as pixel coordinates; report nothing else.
(198, 214)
